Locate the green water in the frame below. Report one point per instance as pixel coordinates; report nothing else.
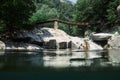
(60, 60)
(60, 65)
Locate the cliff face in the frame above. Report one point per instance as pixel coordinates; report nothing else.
(48, 38)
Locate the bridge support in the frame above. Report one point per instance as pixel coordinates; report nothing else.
(55, 25)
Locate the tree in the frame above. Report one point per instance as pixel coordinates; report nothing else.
(44, 13)
(98, 10)
(15, 13)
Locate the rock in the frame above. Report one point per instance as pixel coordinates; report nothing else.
(84, 44)
(25, 36)
(22, 46)
(2, 48)
(76, 42)
(74, 46)
(52, 44)
(48, 38)
(100, 36)
(114, 56)
(70, 44)
(32, 47)
(93, 46)
(114, 41)
(2, 45)
(63, 45)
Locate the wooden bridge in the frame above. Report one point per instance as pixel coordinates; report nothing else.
(79, 24)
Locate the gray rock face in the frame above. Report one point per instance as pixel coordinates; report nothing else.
(2, 45)
(26, 36)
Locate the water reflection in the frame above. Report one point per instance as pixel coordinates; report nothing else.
(114, 57)
(62, 58)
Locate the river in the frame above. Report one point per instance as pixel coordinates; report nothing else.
(57, 60)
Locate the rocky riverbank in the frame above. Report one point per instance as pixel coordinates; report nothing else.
(49, 38)
(46, 38)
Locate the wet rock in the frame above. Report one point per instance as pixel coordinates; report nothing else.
(52, 44)
(63, 45)
(70, 44)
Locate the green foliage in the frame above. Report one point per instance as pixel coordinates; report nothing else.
(53, 9)
(97, 10)
(15, 13)
(44, 13)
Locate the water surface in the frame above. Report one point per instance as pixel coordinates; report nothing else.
(59, 59)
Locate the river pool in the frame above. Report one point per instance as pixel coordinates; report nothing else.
(59, 60)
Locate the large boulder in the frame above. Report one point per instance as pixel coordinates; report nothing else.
(84, 44)
(2, 48)
(58, 39)
(27, 36)
(114, 56)
(55, 39)
(100, 36)
(114, 41)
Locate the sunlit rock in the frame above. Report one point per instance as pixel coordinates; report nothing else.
(114, 56)
(84, 44)
(58, 39)
(23, 46)
(2, 48)
(100, 36)
(114, 41)
(31, 47)
(2, 45)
